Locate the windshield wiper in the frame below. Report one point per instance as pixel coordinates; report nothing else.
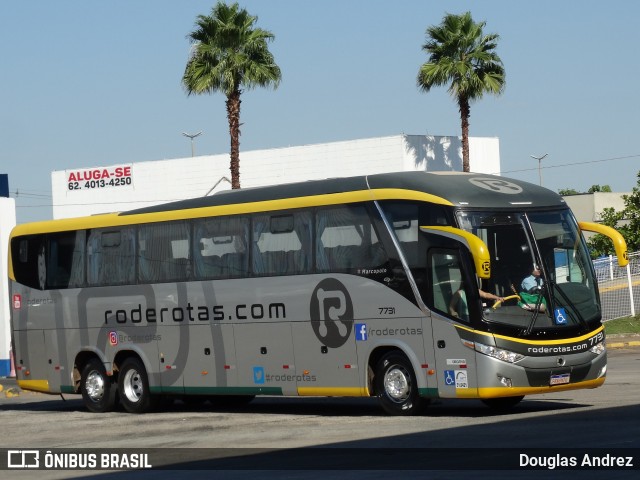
(536, 311)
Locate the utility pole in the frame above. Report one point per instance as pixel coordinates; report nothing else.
(539, 165)
(192, 136)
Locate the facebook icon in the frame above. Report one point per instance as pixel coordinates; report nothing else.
(361, 332)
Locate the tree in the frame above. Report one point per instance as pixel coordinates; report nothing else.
(568, 191)
(593, 189)
(229, 54)
(598, 188)
(461, 55)
(631, 230)
(600, 245)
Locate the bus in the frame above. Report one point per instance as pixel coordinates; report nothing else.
(369, 286)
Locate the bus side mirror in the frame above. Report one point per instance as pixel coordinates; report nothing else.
(478, 249)
(619, 244)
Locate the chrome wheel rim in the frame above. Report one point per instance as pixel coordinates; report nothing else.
(133, 387)
(397, 384)
(94, 386)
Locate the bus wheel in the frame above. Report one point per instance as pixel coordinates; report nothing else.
(396, 385)
(97, 388)
(133, 387)
(503, 403)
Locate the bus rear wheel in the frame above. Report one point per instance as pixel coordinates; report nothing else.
(97, 388)
(396, 385)
(133, 387)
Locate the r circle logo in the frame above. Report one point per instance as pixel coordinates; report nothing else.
(496, 185)
(331, 312)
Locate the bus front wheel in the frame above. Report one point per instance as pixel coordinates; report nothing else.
(396, 385)
(97, 388)
(133, 387)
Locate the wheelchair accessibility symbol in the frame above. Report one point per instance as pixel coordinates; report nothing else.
(560, 316)
(449, 377)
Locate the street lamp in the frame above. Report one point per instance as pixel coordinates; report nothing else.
(539, 165)
(192, 136)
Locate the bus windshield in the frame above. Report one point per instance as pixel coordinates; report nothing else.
(540, 260)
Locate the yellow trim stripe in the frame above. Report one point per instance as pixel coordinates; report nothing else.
(333, 391)
(113, 219)
(497, 392)
(35, 385)
(534, 342)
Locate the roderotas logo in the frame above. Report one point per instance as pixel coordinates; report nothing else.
(331, 312)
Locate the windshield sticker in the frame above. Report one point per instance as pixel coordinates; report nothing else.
(560, 316)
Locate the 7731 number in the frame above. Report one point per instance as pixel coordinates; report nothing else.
(386, 310)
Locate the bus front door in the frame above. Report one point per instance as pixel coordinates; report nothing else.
(455, 362)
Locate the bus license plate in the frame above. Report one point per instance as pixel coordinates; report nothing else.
(559, 379)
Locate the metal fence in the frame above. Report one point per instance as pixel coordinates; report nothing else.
(619, 286)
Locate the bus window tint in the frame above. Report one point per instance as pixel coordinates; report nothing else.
(448, 294)
(24, 253)
(282, 244)
(65, 260)
(346, 240)
(220, 247)
(163, 252)
(111, 256)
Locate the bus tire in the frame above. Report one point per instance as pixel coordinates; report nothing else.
(396, 385)
(502, 403)
(133, 387)
(97, 388)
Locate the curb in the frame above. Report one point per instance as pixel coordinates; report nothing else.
(633, 343)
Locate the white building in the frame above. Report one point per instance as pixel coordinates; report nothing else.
(588, 207)
(7, 222)
(119, 187)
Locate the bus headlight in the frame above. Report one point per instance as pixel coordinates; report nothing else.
(598, 349)
(499, 353)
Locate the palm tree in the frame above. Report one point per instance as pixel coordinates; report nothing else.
(229, 54)
(462, 55)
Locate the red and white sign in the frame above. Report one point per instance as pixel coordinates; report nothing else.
(100, 177)
(17, 302)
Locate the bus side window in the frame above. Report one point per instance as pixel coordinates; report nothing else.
(111, 256)
(346, 240)
(448, 295)
(282, 244)
(65, 259)
(24, 256)
(220, 247)
(164, 252)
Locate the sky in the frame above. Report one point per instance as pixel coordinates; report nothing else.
(92, 83)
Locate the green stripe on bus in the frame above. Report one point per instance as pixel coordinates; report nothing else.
(67, 389)
(428, 392)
